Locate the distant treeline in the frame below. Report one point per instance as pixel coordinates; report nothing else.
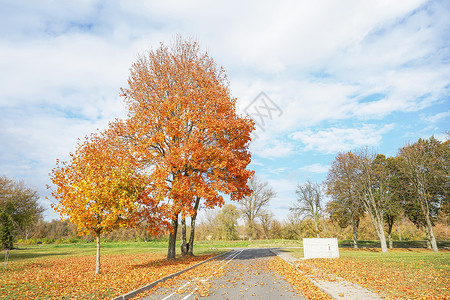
(56, 231)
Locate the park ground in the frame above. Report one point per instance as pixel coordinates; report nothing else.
(67, 271)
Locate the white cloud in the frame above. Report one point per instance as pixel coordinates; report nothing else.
(278, 171)
(335, 140)
(316, 168)
(438, 117)
(271, 149)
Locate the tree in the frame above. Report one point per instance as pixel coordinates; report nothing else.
(20, 207)
(426, 167)
(373, 181)
(226, 222)
(308, 204)
(6, 229)
(185, 133)
(267, 220)
(99, 188)
(341, 186)
(392, 205)
(252, 206)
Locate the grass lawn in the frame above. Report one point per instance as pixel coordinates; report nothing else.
(401, 273)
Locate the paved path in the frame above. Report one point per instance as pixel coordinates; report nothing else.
(337, 289)
(243, 275)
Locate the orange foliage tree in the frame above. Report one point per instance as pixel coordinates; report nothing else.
(185, 133)
(98, 189)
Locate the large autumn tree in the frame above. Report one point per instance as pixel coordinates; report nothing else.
(98, 189)
(425, 167)
(184, 131)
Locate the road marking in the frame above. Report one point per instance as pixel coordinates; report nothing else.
(176, 291)
(205, 280)
(180, 288)
(228, 259)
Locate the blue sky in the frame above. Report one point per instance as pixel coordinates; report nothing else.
(342, 74)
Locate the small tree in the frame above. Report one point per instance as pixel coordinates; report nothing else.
(226, 222)
(20, 205)
(267, 219)
(6, 228)
(308, 204)
(253, 205)
(99, 188)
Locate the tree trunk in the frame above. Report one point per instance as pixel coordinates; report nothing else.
(428, 239)
(250, 230)
(377, 223)
(97, 267)
(184, 246)
(376, 219)
(390, 222)
(355, 226)
(317, 227)
(432, 239)
(380, 233)
(173, 238)
(190, 244)
(192, 236)
(382, 237)
(391, 242)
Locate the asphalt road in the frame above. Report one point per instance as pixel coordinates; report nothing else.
(241, 274)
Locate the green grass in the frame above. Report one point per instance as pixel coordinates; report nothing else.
(397, 244)
(24, 252)
(200, 247)
(251, 244)
(410, 258)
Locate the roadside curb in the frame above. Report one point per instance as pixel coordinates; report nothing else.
(151, 285)
(343, 290)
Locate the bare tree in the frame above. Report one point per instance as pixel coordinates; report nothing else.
(373, 181)
(253, 206)
(266, 218)
(308, 204)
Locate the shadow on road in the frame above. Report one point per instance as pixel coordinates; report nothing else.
(246, 254)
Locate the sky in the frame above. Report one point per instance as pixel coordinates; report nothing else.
(318, 77)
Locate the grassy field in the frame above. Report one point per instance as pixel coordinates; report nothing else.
(24, 252)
